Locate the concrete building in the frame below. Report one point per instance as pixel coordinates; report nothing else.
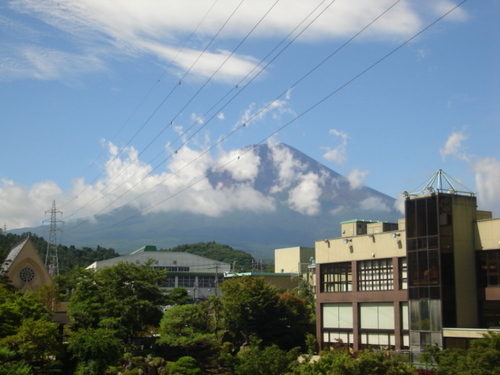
(199, 275)
(298, 262)
(433, 278)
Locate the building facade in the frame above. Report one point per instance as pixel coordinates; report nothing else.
(433, 278)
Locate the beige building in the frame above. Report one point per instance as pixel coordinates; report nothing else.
(433, 278)
(24, 267)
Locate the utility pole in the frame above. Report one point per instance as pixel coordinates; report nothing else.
(51, 258)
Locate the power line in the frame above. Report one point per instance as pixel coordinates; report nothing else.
(142, 102)
(309, 109)
(162, 103)
(227, 103)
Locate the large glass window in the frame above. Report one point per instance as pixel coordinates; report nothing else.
(425, 315)
(377, 315)
(489, 271)
(377, 274)
(337, 315)
(336, 277)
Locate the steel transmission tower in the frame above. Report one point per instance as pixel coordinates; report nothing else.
(51, 259)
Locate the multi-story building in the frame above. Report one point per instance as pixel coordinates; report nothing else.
(431, 279)
(199, 275)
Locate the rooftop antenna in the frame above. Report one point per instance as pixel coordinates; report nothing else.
(440, 182)
(51, 258)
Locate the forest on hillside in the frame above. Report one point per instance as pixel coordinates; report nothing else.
(71, 257)
(240, 261)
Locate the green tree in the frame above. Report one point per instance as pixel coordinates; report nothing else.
(185, 366)
(95, 349)
(178, 296)
(26, 329)
(9, 365)
(340, 362)
(482, 358)
(188, 327)
(126, 298)
(252, 307)
(36, 341)
(270, 360)
(15, 307)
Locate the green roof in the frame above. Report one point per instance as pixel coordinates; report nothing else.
(359, 221)
(145, 249)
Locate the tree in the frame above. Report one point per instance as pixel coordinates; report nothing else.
(248, 303)
(10, 366)
(252, 307)
(482, 358)
(185, 366)
(188, 326)
(36, 341)
(26, 329)
(270, 360)
(95, 349)
(340, 362)
(126, 298)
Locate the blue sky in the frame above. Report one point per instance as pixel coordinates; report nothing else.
(105, 103)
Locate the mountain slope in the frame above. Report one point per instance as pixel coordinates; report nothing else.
(290, 200)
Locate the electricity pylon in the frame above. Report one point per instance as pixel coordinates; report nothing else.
(51, 258)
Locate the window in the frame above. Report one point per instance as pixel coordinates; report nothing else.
(489, 273)
(170, 282)
(27, 274)
(375, 275)
(337, 315)
(206, 281)
(336, 277)
(403, 273)
(377, 315)
(186, 281)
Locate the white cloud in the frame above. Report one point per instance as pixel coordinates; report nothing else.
(289, 169)
(399, 204)
(276, 108)
(128, 181)
(304, 197)
(243, 167)
(23, 207)
(103, 30)
(374, 204)
(453, 146)
(339, 153)
(487, 172)
(357, 178)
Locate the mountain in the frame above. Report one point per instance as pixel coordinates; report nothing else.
(289, 200)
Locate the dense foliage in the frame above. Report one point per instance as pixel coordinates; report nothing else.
(241, 261)
(69, 256)
(482, 358)
(29, 340)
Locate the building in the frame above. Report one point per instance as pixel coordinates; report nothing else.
(199, 275)
(298, 262)
(24, 267)
(433, 278)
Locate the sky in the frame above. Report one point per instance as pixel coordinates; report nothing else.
(105, 103)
